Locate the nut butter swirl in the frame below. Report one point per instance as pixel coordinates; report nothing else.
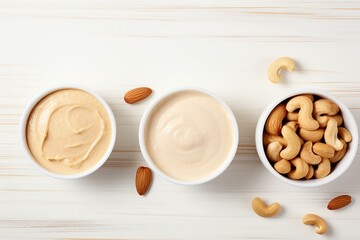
(68, 131)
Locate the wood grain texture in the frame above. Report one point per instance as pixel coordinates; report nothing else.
(224, 46)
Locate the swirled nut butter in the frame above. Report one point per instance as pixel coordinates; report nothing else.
(68, 131)
(189, 135)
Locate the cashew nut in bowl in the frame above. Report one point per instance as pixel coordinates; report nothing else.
(325, 107)
(314, 136)
(305, 114)
(301, 169)
(294, 125)
(331, 135)
(324, 168)
(323, 120)
(323, 150)
(273, 124)
(273, 151)
(292, 116)
(293, 143)
(283, 166)
(339, 154)
(268, 138)
(263, 210)
(310, 173)
(344, 134)
(277, 66)
(307, 154)
(318, 222)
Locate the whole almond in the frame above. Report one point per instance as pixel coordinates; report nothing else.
(143, 180)
(339, 202)
(137, 94)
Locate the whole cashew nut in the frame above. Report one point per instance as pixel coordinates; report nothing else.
(277, 66)
(283, 166)
(307, 154)
(263, 210)
(323, 150)
(344, 134)
(325, 107)
(305, 114)
(273, 151)
(310, 173)
(318, 222)
(324, 168)
(339, 154)
(273, 124)
(268, 138)
(314, 136)
(301, 169)
(293, 143)
(323, 120)
(331, 135)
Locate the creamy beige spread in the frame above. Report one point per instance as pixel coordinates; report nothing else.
(189, 135)
(68, 131)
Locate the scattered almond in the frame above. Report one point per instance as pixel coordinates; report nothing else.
(143, 180)
(137, 94)
(339, 202)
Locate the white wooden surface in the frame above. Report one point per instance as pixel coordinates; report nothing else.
(222, 45)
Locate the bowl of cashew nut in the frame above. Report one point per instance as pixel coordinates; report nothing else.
(307, 138)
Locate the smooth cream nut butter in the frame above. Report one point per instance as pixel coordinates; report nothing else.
(189, 135)
(68, 131)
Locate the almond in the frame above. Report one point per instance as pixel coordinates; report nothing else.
(143, 180)
(339, 202)
(137, 94)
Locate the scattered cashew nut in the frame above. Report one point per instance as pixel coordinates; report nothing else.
(344, 134)
(263, 210)
(324, 168)
(301, 169)
(273, 124)
(318, 222)
(283, 166)
(307, 154)
(305, 114)
(273, 151)
(293, 143)
(331, 135)
(277, 66)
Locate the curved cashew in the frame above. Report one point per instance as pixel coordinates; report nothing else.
(301, 169)
(283, 166)
(273, 124)
(273, 151)
(323, 120)
(307, 154)
(318, 222)
(331, 137)
(305, 114)
(293, 143)
(339, 154)
(310, 173)
(324, 150)
(277, 66)
(263, 210)
(325, 107)
(314, 136)
(292, 116)
(294, 125)
(324, 168)
(344, 134)
(268, 138)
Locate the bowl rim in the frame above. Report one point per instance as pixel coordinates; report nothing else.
(24, 121)
(349, 156)
(223, 166)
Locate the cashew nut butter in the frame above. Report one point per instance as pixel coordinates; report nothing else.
(68, 131)
(189, 135)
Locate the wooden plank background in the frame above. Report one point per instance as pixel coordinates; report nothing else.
(224, 46)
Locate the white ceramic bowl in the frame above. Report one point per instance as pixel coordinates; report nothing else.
(24, 121)
(226, 162)
(340, 168)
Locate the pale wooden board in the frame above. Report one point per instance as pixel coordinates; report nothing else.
(223, 46)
